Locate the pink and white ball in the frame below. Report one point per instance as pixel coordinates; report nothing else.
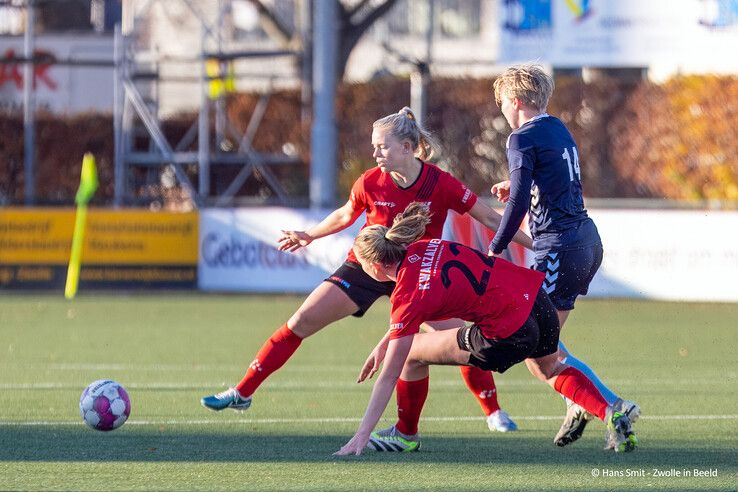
(104, 405)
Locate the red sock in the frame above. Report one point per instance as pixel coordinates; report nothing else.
(272, 355)
(482, 384)
(574, 385)
(410, 400)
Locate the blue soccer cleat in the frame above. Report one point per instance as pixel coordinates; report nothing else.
(229, 398)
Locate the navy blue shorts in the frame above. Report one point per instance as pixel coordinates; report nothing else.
(360, 287)
(568, 273)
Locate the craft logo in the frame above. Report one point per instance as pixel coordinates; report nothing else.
(581, 9)
(467, 194)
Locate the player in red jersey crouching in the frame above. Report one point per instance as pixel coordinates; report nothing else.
(514, 321)
(402, 176)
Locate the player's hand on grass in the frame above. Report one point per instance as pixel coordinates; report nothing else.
(371, 366)
(502, 191)
(293, 240)
(355, 446)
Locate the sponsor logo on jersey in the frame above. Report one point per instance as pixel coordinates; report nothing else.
(467, 194)
(380, 203)
(396, 326)
(413, 258)
(425, 267)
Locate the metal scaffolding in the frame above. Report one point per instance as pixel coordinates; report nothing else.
(188, 165)
(136, 116)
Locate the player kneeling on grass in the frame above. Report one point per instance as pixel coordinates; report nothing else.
(514, 321)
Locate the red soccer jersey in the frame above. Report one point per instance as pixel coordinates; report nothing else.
(440, 280)
(381, 198)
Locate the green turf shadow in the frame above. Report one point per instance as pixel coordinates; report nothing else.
(60, 444)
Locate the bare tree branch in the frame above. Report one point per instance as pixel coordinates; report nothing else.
(274, 28)
(352, 31)
(372, 16)
(352, 11)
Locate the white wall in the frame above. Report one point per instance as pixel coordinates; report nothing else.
(654, 254)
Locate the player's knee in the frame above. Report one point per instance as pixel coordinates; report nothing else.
(545, 368)
(303, 324)
(413, 363)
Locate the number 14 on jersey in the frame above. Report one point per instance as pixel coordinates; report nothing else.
(572, 164)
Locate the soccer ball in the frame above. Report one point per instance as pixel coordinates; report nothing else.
(104, 405)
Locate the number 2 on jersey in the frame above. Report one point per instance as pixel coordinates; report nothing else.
(573, 165)
(479, 286)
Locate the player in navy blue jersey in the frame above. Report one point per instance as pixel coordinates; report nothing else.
(545, 182)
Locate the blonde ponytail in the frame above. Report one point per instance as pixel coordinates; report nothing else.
(387, 245)
(403, 125)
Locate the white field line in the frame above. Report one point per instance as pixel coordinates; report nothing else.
(240, 368)
(219, 386)
(174, 367)
(332, 420)
(442, 381)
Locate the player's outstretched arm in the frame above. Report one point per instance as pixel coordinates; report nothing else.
(521, 180)
(336, 221)
(490, 218)
(397, 351)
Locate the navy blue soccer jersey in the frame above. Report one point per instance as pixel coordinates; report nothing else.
(545, 177)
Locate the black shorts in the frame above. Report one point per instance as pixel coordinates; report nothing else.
(568, 273)
(538, 337)
(360, 287)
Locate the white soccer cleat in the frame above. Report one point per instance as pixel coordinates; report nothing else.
(500, 421)
(573, 426)
(628, 408)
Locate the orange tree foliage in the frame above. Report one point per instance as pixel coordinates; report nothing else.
(678, 140)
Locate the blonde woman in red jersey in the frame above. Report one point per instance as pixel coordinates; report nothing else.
(401, 147)
(514, 321)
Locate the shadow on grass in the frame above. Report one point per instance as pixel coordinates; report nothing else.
(67, 444)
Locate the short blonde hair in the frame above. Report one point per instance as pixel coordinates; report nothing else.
(528, 82)
(387, 245)
(403, 125)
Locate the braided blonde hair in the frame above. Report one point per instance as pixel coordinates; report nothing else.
(387, 245)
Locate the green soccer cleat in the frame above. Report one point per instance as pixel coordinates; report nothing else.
(619, 436)
(392, 440)
(628, 408)
(229, 398)
(574, 423)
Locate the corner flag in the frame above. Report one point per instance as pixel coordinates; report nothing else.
(87, 186)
